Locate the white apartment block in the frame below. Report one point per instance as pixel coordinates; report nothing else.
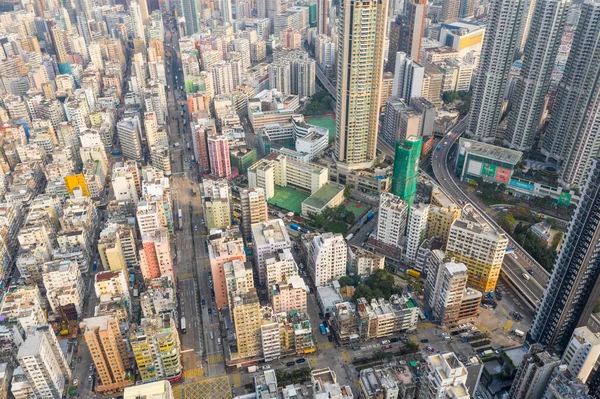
(327, 258)
(64, 284)
(363, 262)
(313, 143)
(446, 298)
(445, 377)
(148, 217)
(23, 304)
(415, 231)
(280, 266)
(268, 238)
(40, 359)
(391, 222)
(582, 354)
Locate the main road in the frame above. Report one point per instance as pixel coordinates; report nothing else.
(203, 356)
(516, 265)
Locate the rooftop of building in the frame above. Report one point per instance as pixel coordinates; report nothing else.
(490, 151)
(442, 50)
(151, 390)
(324, 195)
(475, 224)
(464, 25)
(107, 275)
(269, 232)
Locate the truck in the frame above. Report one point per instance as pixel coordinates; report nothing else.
(182, 326)
(252, 369)
(414, 273)
(349, 237)
(519, 333)
(294, 226)
(180, 217)
(370, 216)
(176, 145)
(323, 329)
(116, 152)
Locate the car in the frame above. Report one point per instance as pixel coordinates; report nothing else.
(526, 276)
(75, 382)
(267, 367)
(424, 341)
(386, 347)
(330, 338)
(209, 311)
(301, 360)
(203, 302)
(530, 271)
(89, 377)
(385, 342)
(429, 348)
(290, 364)
(394, 340)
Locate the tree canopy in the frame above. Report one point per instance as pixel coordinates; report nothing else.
(380, 284)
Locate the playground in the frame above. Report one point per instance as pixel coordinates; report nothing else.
(326, 121)
(357, 208)
(288, 198)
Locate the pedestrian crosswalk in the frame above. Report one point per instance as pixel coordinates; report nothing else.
(215, 358)
(346, 356)
(193, 373)
(185, 275)
(425, 325)
(324, 345)
(237, 380)
(508, 326)
(178, 392)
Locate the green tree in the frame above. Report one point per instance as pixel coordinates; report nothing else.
(347, 190)
(507, 222)
(344, 281)
(450, 96)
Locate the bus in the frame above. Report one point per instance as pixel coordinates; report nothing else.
(180, 216)
(182, 326)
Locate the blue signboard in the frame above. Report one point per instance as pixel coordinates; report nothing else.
(522, 185)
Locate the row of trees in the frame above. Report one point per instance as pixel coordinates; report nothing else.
(320, 103)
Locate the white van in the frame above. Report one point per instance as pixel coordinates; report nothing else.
(219, 341)
(212, 335)
(526, 276)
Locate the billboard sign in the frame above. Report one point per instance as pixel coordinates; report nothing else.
(522, 185)
(489, 170)
(502, 175)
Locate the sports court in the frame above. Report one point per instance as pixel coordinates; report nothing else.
(356, 207)
(289, 198)
(325, 121)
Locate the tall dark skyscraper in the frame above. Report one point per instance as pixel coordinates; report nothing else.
(532, 86)
(496, 58)
(573, 288)
(406, 33)
(573, 134)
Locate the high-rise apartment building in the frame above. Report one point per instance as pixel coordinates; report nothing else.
(572, 137)
(215, 202)
(224, 247)
(44, 364)
(218, 153)
(129, 133)
(479, 246)
(408, 77)
(572, 291)
(191, 15)
(280, 266)
(454, 9)
(254, 208)
(156, 349)
(268, 238)
(155, 255)
(107, 348)
(445, 377)
(447, 295)
(391, 222)
(323, 17)
(361, 40)
(327, 258)
(494, 64)
(246, 320)
(532, 85)
(406, 169)
(416, 229)
(533, 374)
(582, 354)
(60, 49)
